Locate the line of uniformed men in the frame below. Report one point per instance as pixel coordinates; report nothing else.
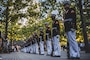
(52, 40)
(36, 44)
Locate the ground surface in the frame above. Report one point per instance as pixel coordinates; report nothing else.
(27, 56)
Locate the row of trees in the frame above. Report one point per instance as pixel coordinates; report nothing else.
(17, 12)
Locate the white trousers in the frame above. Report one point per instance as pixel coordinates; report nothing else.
(24, 50)
(31, 49)
(41, 47)
(28, 49)
(36, 48)
(56, 46)
(49, 47)
(73, 45)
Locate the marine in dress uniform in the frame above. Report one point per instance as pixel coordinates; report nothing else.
(56, 36)
(41, 41)
(34, 47)
(30, 43)
(36, 43)
(48, 39)
(70, 27)
(27, 46)
(31, 51)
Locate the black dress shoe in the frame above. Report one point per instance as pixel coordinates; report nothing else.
(57, 56)
(77, 57)
(41, 54)
(74, 58)
(48, 55)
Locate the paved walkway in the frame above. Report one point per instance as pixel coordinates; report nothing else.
(27, 56)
